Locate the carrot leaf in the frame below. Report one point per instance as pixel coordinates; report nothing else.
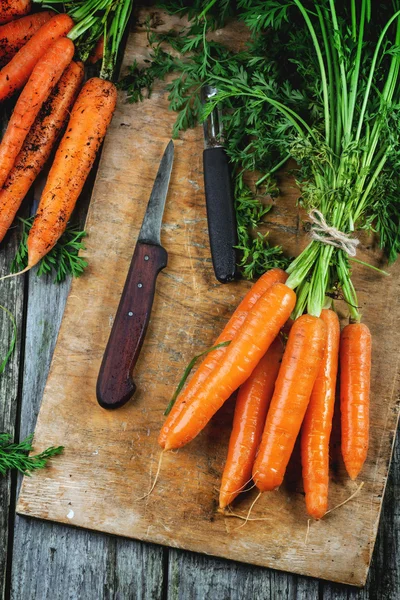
(15, 455)
(63, 259)
(187, 373)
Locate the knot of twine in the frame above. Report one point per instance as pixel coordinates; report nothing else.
(322, 232)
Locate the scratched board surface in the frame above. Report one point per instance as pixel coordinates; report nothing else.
(110, 458)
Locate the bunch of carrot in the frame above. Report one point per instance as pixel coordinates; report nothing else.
(39, 65)
(284, 388)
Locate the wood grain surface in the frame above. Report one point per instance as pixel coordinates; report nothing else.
(110, 457)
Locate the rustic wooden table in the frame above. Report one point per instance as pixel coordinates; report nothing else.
(41, 560)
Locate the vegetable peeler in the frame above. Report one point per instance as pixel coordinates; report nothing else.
(219, 194)
(115, 385)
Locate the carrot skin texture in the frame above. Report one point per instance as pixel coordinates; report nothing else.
(259, 330)
(355, 378)
(17, 72)
(14, 35)
(212, 359)
(317, 425)
(39, 144)
(251, 409)
(44, 77)
(87, 126)
(11, 9)
(300, 364)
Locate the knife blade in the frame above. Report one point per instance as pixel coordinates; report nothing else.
(115, 385)
(219, 195)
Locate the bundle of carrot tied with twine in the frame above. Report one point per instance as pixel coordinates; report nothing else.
(342, 129)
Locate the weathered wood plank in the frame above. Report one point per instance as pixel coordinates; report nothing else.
(384, 576)
(52, 562)
(12, 298)
(49, 561)
(200, 577)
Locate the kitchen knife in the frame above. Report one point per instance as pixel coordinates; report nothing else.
(219, 195)
(115, 385)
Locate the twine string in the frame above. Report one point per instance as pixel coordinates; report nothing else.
(326, 234)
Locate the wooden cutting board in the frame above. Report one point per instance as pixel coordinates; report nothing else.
(110, 458)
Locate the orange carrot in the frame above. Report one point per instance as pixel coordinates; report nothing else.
(97, 53)
(14, 35)
(90, 117)
(317, 423)
(251, 408)
(12, 9)
(17, 72)
(300, 365)
(39, 143)
(355, 375)
(44, 77)
(259, 330)
(228, 333)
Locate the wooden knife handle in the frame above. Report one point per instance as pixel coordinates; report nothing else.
(115, 385)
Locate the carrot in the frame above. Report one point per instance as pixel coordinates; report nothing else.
(90, 117)
(14, 35)
(17, 72)
(97, 53)
(300, 365)
(355, 375)
(38, 144)
(228, 333)
(317, 423)
(259, 330)
(251, 409)
(44, 77)
(10, 9)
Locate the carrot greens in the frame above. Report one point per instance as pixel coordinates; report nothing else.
(94, 19)
(14, 455)
(317, 82)
(62, 260)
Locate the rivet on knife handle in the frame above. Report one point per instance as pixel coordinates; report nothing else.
(115, 385)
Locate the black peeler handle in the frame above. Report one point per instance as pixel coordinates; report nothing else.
(220, 213)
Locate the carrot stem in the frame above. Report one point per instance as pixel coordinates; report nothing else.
(187, 372)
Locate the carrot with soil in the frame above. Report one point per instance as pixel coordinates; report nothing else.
(16, 34)
(259, 330)
(299, 369)
(317, 423)
(90, 117)
(12, 9)
(213, 358)
(17, 72)
(355, 376)
(39, 144)
(251, 409)
(44, 77)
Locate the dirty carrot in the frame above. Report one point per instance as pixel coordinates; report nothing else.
(87, 126)
(251, 408)
(14, 35)
(17, 72)
(355, 376)
(300, 365)
(228, 333)
(257, 333)
(12, 9)
(45, 75)
(39, 143)
(317, 425)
